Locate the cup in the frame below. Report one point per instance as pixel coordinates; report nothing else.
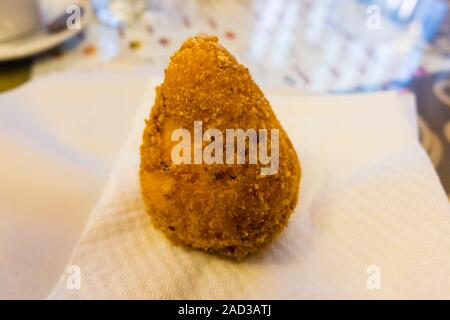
(19, 18)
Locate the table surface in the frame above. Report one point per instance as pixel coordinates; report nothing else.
(293, 45)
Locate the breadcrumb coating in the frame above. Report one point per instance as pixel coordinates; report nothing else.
(229, 209)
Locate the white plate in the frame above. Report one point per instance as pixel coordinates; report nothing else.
(40, 41)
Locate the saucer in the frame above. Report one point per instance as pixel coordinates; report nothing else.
(41, 40)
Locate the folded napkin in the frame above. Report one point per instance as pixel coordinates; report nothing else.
(372, 221)
(59, 138)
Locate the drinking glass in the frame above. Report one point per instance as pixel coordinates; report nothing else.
(118, 12)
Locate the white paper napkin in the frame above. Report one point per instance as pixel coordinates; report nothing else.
(59, 138)
(370, 206)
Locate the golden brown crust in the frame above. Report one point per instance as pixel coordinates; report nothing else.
(229, 209)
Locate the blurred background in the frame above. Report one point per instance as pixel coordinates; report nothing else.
(322, 46)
